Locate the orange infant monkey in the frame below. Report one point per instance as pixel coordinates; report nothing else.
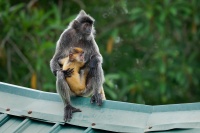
(76, 81)
(75, 60)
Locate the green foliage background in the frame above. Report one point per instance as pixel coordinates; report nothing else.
(151, 48)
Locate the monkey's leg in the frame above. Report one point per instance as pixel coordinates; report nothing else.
(95, 80)
(64, 91)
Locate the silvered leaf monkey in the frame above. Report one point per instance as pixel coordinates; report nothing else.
(80, 33)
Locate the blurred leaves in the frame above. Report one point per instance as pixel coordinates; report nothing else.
(110, 45)
(34, 81)
(151, 49)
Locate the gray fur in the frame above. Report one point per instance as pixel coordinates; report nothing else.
(71, 38)
(62, 87)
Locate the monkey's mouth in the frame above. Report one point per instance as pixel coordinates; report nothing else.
(88, 31)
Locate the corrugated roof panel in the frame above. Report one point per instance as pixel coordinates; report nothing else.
(47, 114)
(179, 131)
(9, 123)
(71, 129)
(18, 124)
(104, 117)
(34, 126)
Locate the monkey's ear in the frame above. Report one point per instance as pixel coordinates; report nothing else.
(75, 24)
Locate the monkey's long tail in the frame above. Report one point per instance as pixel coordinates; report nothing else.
(103, 94)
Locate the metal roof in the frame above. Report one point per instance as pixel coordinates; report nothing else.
(27, 110)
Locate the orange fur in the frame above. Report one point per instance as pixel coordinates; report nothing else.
(76, 83)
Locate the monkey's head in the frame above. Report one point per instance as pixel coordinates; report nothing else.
(83, 24)
(76, 54)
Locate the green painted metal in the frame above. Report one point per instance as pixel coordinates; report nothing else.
(55, 128)
(3, 119)
(45, 112)
(88, 130)
(10, 125)
(22, 126)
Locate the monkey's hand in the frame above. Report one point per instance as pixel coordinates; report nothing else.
(97, 98)
(68, 110)
(68, 72)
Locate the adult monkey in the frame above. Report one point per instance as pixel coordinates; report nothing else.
(80, 33)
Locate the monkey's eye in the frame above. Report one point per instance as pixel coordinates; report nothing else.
(87, 24)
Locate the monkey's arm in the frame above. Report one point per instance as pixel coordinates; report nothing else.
(95, 79)
(62, 51)
(54, 63)
(62, 61)
(95, 60)
(67, 72)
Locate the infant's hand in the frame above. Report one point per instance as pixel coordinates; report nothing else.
(68, 72)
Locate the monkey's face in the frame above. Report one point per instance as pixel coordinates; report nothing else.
(80, 57)
(83, 24)
(86, 28)
(76, 57)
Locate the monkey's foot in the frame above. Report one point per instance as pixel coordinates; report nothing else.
(96, 98)
(68, 72)
(68, 111)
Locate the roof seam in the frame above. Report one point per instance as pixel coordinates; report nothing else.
(4, 118)
(22, 126)
(55, 128)
(89, 129)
